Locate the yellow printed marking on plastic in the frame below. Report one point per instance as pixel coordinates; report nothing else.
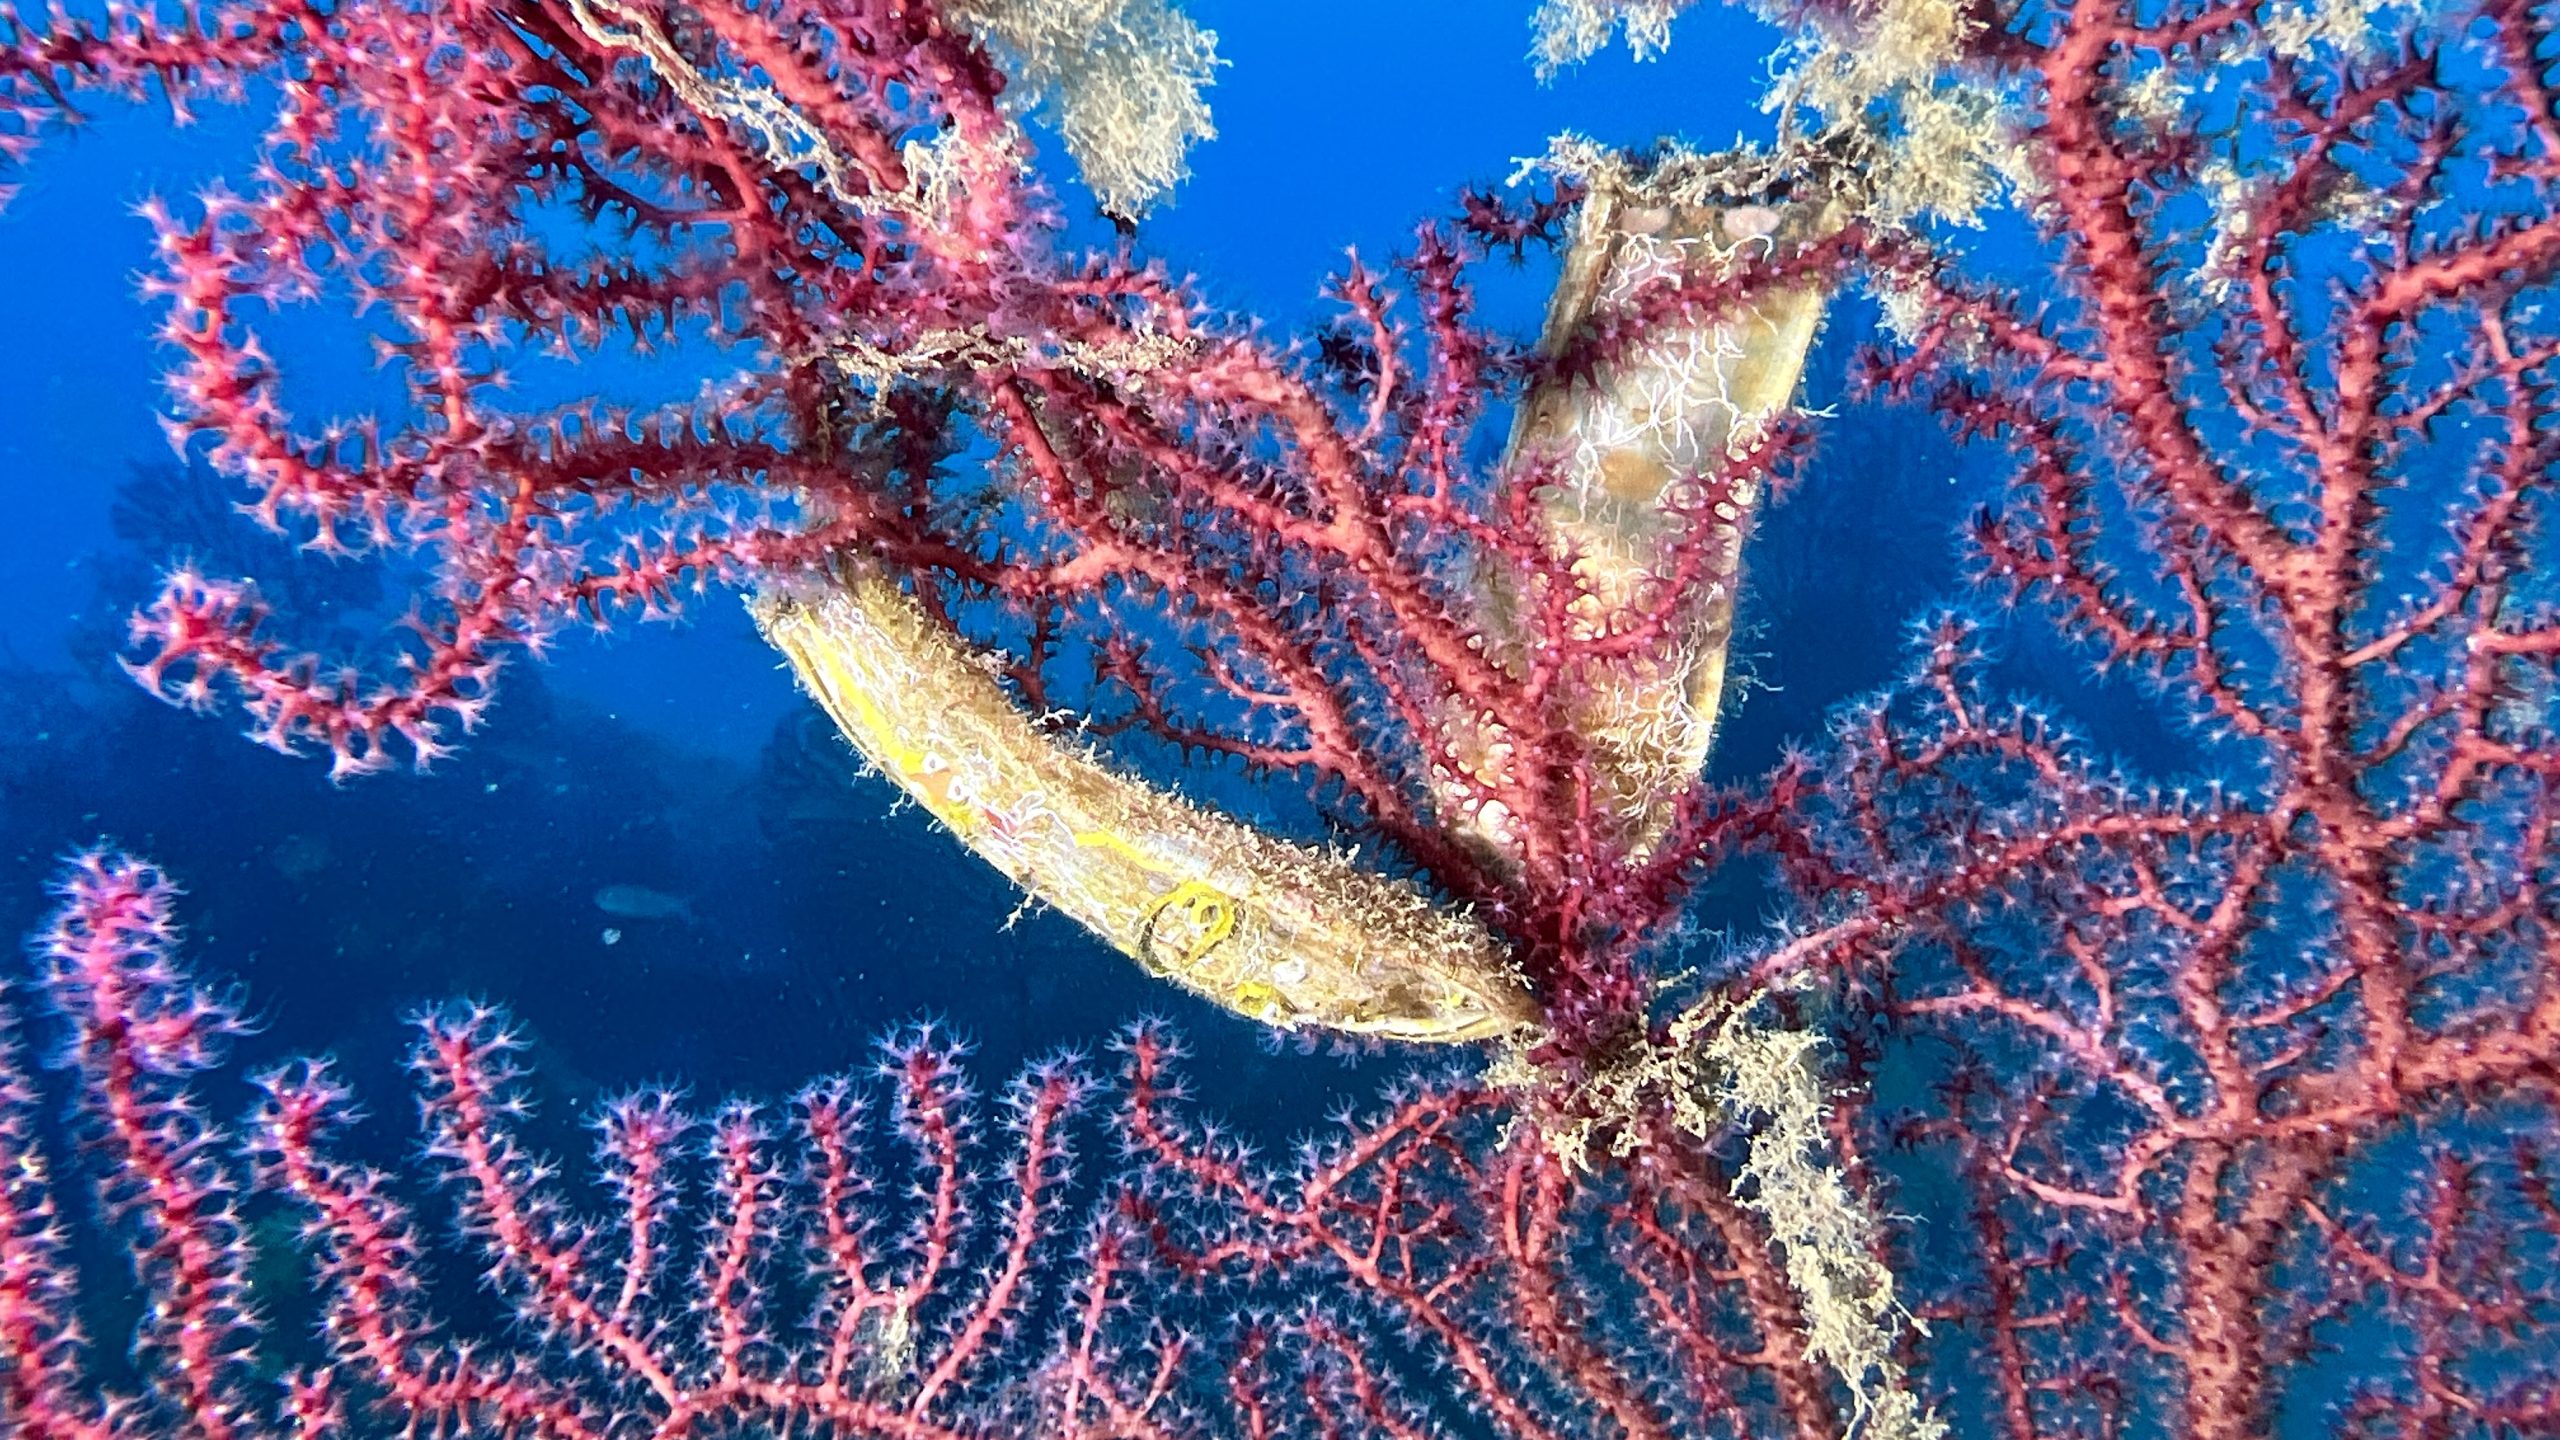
(921, 773)
(1210, 911)
(1105, 840)
(1255, 999)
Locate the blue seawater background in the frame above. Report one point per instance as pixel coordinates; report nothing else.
(804, 916)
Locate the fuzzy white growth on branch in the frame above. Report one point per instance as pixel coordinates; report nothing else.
(1121, 80)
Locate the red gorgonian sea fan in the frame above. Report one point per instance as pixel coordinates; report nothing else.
(2220, 1111)
(815, 1294)
(1048, 486)
(865, 1260)
(2234, 1101)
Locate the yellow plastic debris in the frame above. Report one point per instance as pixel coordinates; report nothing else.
(1287, 934)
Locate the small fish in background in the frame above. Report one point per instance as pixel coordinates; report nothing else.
(639, 902)
(300, 857)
